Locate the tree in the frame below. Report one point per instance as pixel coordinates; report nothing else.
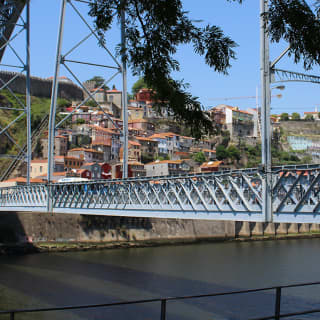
(199, 157)
(139, 84)
(233, 153)
(295, 116)
(221, 153)
(80, 121)
(98, 82)
(92, 103)
(156, 28)
(309, 117)
(284, 116)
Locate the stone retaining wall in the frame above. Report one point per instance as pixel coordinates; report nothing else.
(41, 87)
(22, 227)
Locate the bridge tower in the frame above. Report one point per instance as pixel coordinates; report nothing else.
(270, 74)
(63, 59)
(13, 25)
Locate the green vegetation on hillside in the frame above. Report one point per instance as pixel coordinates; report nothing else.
(39, 109)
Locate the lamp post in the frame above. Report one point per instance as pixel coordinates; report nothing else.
(265, 74)
(265, 113)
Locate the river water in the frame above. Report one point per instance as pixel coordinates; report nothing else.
(93, 277)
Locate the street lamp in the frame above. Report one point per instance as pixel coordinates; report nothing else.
(265, 73)
(281, 87)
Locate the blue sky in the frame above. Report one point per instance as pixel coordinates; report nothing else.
(240, 22)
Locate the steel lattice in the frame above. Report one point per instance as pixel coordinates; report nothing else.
(234, 195)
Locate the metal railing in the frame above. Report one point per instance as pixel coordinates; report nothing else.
(228, 195)
(276, 314)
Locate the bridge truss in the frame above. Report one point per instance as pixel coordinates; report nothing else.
(12, 25)
(230, 195)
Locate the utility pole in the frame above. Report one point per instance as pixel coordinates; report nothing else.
(265, 113)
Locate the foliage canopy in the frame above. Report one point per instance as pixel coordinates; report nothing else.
(295, 116)
(155, 29)
(199, 157)
(139, 84)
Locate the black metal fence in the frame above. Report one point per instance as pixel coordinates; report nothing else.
(276, 313)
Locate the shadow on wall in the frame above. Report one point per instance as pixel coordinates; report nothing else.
(116, 228)
(13, 237)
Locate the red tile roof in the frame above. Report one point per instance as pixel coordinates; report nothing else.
(211, 164)
(165, 161)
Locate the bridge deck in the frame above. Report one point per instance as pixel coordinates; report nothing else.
(232, 195)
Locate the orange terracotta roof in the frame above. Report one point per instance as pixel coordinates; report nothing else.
(81, 170)
(62, 173)
(211, 164)
(85, 150)
(138, 120)
(103, 143)
(88, 163)
(24, 180)
(208, 150)
(134, 143)
(145, 139)
(133, 163)
(104, 112)
(96, 89)
(181, 153)
(163, 135)
(113, 90)
(71, 158)
(135, 108)
(165, 161)
(39, 161)
(98, 128)
(157, 135)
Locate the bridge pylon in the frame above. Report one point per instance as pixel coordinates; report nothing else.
(12, 26)
(113, 67)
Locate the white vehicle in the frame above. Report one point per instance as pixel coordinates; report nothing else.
(73, 179)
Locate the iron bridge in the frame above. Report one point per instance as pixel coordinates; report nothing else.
(229, 195)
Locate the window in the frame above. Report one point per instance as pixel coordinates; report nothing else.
(40, 168)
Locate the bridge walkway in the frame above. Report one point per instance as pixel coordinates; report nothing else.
(230, 195)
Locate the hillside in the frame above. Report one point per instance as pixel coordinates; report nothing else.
(39, 109)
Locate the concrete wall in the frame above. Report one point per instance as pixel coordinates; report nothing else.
(249, 229)
(42, 87)
(37, 227)
(300, 127)
(24, 227)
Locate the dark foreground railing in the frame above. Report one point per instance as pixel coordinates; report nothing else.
(163, 303)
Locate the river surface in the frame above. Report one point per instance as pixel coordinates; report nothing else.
(94, 277)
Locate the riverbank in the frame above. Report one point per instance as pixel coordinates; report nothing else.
(47, 247)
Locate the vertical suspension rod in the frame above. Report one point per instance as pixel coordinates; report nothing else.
(28, 92)
(53, 106)
(124, 96)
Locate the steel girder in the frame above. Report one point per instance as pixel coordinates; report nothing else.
(234, 195)
(10, 11)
